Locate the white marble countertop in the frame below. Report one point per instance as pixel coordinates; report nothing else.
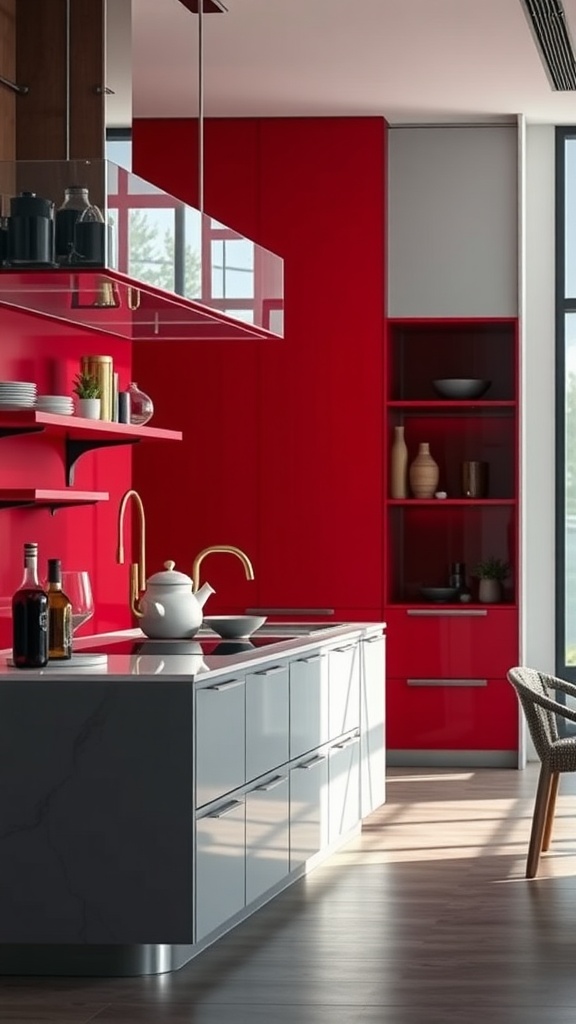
(195, 659)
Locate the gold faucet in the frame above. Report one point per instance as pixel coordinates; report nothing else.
(220, 547)
(137, 569)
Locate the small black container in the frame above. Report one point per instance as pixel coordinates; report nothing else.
(31, 230)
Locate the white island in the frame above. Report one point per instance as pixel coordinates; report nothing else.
(151, 803)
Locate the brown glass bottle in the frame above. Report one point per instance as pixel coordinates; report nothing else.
(30, 616)
(59, 615)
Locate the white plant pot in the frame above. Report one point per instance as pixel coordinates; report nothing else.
(89, 408)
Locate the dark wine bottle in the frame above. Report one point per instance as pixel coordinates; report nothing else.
(59, 615)
(30, 616)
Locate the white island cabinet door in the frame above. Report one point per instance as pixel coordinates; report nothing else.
(220, 739)
(372, 723)
(266, 835)
(266, 720)
(344, 688)
(308, 809)
(343, 787)
(308, 703)
(220, 865)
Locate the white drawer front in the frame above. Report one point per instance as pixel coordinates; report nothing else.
(266, 720)
(308, 703)
(220, 739)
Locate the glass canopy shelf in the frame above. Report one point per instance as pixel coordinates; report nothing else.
(129, 260)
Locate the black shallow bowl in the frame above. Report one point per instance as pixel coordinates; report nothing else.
(439, 593)
(461, 387)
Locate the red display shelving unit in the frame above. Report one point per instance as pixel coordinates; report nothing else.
(447, 662)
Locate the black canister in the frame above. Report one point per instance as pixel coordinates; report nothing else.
(90, 238)
(31, 230)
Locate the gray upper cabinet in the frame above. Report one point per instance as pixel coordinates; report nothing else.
(453, 222)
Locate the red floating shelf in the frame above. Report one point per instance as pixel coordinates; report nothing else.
(22, 497)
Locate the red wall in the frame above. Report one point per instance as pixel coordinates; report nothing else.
(283, 441)
(85, 537)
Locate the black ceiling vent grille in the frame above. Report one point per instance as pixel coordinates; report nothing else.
(548, 21)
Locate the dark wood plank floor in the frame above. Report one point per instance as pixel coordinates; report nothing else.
(424, 919)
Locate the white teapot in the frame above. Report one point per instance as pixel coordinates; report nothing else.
(168, 608)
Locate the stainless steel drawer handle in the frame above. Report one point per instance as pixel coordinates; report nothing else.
(469, 613)
(341, 650)
(271, 671)
(221, 812)
(447, 682)
(312, 763)
(272, 784)
(373, 639)
(230, 684)
(346, 743)
(310, 660)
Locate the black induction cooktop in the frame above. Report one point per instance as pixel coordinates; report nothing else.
(212, 646)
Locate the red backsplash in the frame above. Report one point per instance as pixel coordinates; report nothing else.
(83, 537)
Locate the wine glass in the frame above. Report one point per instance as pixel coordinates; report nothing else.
(76, 585)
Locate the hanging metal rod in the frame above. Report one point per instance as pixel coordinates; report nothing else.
(21, 89)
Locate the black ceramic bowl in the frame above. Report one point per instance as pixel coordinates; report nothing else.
(461, 387)
(439, 593)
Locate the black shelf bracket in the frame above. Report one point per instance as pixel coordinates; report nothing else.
(75, 449)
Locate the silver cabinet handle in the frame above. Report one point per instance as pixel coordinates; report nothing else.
(308, 661)
(348, 647)
(312, 763)
(267, 786)
(271, 671)
(346, 743)
(373, 639)
(231, 684)
(460, 612)
(221, 812)
(447, 682)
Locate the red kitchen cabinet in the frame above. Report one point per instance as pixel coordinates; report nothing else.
(321, 494)
(448, 659)
(473, 716)
(283, 452)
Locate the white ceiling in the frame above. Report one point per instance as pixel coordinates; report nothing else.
(411, 61)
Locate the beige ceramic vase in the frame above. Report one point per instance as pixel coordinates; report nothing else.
(424, 473)
(399, 465)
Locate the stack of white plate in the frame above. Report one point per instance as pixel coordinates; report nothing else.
(17, 394)
(59, 405)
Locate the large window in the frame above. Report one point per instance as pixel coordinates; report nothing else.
(566, 402)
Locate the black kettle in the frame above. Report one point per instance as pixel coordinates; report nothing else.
(31, 230)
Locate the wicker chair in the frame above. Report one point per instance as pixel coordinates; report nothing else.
(557, 754)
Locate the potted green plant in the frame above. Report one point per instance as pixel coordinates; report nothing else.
(87, 388)
(491, 573)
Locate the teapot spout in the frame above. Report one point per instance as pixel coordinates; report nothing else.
(203, 594)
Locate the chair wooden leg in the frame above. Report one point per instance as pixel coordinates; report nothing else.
(539, 820)
(550, 811)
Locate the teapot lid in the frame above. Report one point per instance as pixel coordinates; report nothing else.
(170, 577)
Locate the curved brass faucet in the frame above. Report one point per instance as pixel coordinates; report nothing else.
(220, 547)
(137, 569)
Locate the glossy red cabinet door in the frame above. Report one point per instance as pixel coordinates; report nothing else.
(321, 497)
(452, 642)
(469, 714)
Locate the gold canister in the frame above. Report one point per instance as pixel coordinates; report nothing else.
(101, 367)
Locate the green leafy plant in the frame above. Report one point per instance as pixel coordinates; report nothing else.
(86, 386)
(492, 569)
